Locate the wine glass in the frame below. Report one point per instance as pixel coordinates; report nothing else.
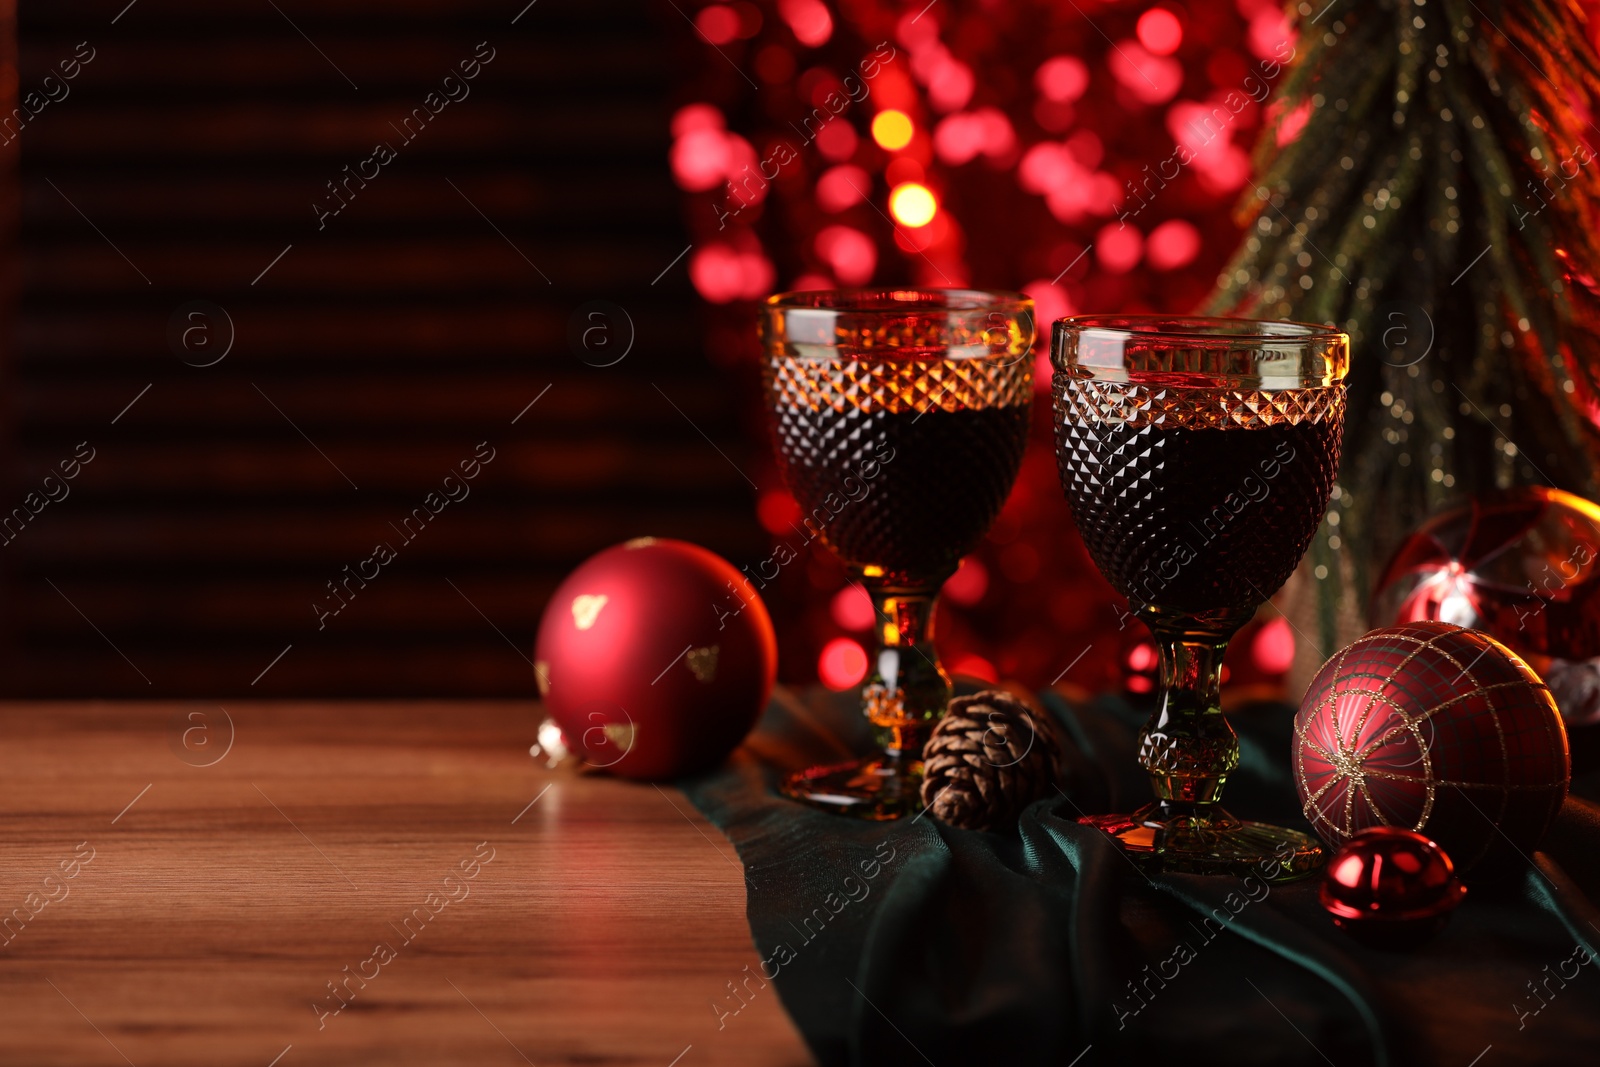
(1197, 456)
(899, 418)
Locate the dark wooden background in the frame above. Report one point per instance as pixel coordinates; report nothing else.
(368, 359)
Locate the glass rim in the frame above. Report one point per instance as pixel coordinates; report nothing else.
(1203, 329)
(885, 300)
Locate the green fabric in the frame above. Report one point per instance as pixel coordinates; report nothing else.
(914, 943)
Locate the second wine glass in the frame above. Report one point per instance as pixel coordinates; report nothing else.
(1197, 456)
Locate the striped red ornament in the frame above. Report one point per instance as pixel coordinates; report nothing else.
(1437, 729)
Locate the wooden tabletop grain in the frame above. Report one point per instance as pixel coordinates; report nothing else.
(342, 883)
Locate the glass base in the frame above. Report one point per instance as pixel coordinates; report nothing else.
(877, 788)
(1164, 838)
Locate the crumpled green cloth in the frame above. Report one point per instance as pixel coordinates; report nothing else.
(915, 943)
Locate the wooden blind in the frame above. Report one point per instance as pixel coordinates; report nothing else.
(214, 172)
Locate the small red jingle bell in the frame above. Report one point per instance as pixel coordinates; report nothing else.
(1390, 888)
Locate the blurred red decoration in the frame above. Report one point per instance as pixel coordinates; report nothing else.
(1524, 567)
(655, 658)
(1390, 888)
(1085, 154)
(1434, 728)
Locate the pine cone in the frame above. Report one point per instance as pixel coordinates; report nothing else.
(989, 757)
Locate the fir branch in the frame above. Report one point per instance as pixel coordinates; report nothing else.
(1453, 113)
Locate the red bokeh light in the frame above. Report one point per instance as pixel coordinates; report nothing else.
(842, 664)
(850, 253)
(1062, 79)
(975, 667)
(777, 509)
(1119, 247)
(842, 187)
(852, 608)
(1046, 166)
(1086, 147)
(968, 584)
(696, 117)
(1273, 647)
(1172, 244)
(721, 273)
(700, 159)
(1160, 31)
(962, 136)
(837, 140)
(915, 32)
(1270, 30)
(809, 21)
(950, 86)
(718, 23)
(1150, 78)
(1206, 130)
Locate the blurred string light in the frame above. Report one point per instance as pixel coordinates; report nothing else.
(913, 204)
(892, 129)
(1017, 144)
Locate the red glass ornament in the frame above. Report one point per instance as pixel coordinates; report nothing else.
(1438, 729)
(1523, 566)
(656, 658)
(1390, 888)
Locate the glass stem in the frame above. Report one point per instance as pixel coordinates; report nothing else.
(907, 690)
(1188, 747)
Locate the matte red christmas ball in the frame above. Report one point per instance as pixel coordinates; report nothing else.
(1437, 729)
(655, 657)
(1390, 888)
(1524, 567)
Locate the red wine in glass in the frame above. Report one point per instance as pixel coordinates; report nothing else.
(899, 418)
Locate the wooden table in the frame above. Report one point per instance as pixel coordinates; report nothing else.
(166, 912)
